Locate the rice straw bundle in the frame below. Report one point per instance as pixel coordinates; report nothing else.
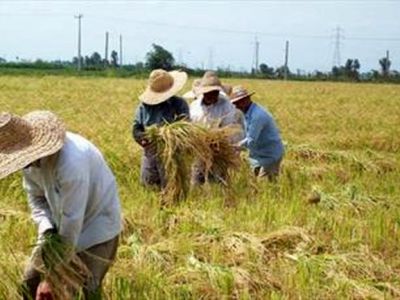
(62, 268)
(179, 144)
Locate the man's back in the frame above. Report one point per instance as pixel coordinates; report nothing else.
(80, 192)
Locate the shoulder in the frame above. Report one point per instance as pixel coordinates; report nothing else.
(176, 100)
(75, 156)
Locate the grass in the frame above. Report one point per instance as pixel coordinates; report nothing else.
(329, 229)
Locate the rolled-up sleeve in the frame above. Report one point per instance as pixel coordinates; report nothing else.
(138, 125)
(41, 214)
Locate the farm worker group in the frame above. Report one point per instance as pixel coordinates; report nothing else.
(72, 191)
(214, 105)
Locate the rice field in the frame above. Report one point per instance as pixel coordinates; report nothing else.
(329, 229)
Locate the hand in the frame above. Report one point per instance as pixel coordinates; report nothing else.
(44, 291)
(145, 143)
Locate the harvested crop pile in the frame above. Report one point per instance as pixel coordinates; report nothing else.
(180, 144)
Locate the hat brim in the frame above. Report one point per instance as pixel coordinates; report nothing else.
(153, 98)
(236, 99)
(206, 89)
(48, 135)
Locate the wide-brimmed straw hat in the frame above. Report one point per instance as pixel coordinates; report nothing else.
(239, 92)
(26, 139)
(210, 82)
(192, 94)
(162, 85)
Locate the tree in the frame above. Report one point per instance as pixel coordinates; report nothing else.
(159, 58)
(385, 66)
(280, 72)
(95, 60)
(267, 71)
(2, 60)
(114, 58)
(351, 68)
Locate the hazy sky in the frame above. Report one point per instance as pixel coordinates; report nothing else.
(208, 33)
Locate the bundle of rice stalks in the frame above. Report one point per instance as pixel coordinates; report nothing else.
(292, 239)
(181, 143)
(61, 267)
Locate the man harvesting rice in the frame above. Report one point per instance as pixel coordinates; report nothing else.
(213, 109)
(72, 194)
(159, 105)
(262, 135)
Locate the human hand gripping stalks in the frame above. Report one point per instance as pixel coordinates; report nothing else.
(61, 267)
(179, 144)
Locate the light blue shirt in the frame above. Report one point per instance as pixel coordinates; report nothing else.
(75, 192)
(262, 137)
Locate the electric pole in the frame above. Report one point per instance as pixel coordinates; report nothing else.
(256, 55)
(336, 52)
(210, 58)
(79, 17)
(120, 50)
(106, 51)
(286, 60)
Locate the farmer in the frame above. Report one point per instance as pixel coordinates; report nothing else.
(262, 135)
(193, 94)
(159, 105)
(71, 191)
(213, 109)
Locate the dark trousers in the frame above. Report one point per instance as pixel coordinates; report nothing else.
(270, 171)
(152, 172)
(97, 259)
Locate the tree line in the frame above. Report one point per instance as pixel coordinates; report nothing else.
(159, 57)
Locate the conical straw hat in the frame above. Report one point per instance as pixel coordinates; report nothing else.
(192, 94)
(162, 85)
(239, 92)
(27, 139)
(210, 82)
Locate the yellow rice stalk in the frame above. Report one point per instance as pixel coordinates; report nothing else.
(62, 268)
(179, 144)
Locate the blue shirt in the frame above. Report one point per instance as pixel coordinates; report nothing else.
(262, 137)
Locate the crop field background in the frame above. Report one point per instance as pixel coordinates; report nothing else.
(329, 229)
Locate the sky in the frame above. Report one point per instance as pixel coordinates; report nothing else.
(207, 34)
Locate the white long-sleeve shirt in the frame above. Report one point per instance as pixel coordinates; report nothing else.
(75, 192)
(220, 114)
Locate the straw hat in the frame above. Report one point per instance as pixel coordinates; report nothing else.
(192, 94)
(238, 93)
(209, 83)
(162, 85)
(227, 89)
(27, 139)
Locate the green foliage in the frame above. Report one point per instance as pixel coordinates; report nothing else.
(159, 58)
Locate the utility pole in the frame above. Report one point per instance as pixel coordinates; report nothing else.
(106, 51)
(120, 50)
(286, 60)
(79, 17)
(256, 55)
(336, 52)
(210, 58)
